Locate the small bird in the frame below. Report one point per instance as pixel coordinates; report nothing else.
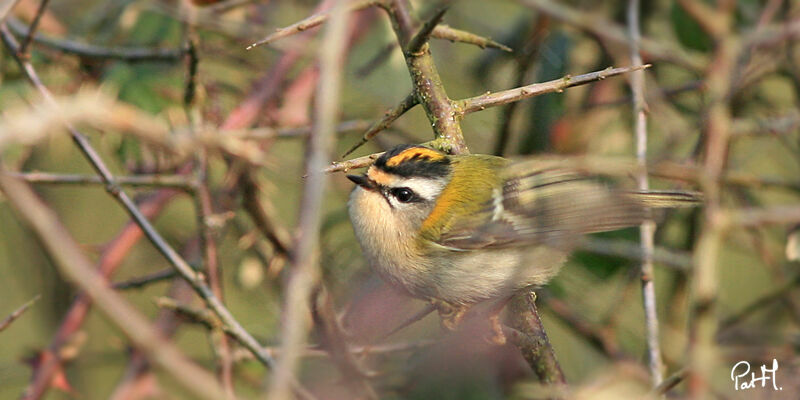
(457, 230)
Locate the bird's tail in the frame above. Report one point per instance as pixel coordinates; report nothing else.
(667, 198)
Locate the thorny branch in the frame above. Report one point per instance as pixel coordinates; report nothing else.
(129, 54)
(6, 322)
(76, 268)
(183, 268)
(648, 227)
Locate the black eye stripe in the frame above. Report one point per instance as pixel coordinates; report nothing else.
(405, 195)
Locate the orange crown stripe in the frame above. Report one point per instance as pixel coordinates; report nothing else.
(418, 152)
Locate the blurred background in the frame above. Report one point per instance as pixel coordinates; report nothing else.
(592, 311)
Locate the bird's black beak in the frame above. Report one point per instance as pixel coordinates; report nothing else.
(362, 181)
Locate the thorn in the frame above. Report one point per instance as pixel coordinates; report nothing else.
(422, 37)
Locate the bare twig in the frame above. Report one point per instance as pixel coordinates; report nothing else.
(424, 34)
(304, 255)
(446, 32)
(703, 358)
(112, 256)
(167, 181)
(23, 47)
(412, 319)
(77, 269)
(264, 222)
(442, 112)
(777, 125)
(6, 322)
(528, 334)
(310, 22)
(612, 32)
(359, 162)
(183, 268)
(388, 118)
(602, 337)
(142, 281)
(525, 59)
(5, 8)
(681, 261)
(130, 54)
(334, 340)
(671, 381)
(648, 227)
(745, 217)
(489, 99)
(760, 303)
(138, 373)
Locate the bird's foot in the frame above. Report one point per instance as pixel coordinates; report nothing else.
(450, 314)
(496, 337)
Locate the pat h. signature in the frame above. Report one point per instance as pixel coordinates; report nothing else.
(743, 379)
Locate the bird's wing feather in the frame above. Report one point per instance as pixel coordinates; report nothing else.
(544, 205)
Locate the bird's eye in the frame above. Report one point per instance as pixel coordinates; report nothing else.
(403, 195)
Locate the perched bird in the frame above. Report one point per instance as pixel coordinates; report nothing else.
(457, 230)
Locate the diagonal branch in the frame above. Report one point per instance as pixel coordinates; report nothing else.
(310, 22)
(424, 34)
(612, 32)
(6, 322)
(304, 256)
(489, 99)
(390, 116)
(74, 266)
(184, 269)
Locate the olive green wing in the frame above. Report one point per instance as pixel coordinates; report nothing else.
(549, 205)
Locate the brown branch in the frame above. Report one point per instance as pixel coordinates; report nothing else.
(310, 22)
(261, 218)
(6, 322)
(777, 125)
(525, 60)
(489, 99)
(204, 209)
(304, 255)
(755, 216)
(758, 304)
(5, 9)
(23, 47)
(703, 360)
(446, 32)
(528, 334)
(138, 374)
(712, 22)
(388, 118)
(647, 229)
(142, 281)
(166, 181)
(678, 260)
(442, 112)
(602, 337)
(112, 256)
(74, 266)
(609, 31)
(423, 35)
(671, 381)
(441, 31)
(183, 268)
(334, 340)
(129, 54)
(355, 163)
